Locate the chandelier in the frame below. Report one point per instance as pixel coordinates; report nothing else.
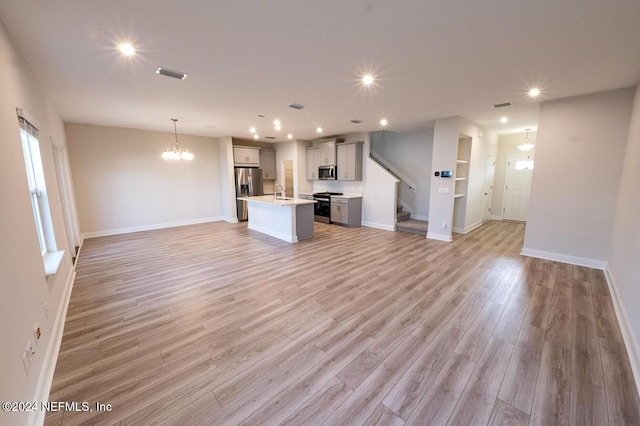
(526, 146)
(176, 153)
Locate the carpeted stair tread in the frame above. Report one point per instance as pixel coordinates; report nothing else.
(413, 226)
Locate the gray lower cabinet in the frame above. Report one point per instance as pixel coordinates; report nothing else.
(346, 211)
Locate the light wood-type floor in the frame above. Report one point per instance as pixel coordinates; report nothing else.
(215, 324)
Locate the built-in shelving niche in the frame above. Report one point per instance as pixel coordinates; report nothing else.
(461, 182)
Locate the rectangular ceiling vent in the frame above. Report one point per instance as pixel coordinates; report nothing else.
(170, 73)
(296, 106)
(269, 137)
(502, 105)
(356, 121)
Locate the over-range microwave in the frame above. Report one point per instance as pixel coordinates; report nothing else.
(327, 173)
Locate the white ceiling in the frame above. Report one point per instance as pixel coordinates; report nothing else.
(432, 59)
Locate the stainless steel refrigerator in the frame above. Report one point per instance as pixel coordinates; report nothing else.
(248, 184)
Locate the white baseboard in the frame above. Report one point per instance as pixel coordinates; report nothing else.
(496, 217)
(128, 230)
(469, 228)
(230, 219)
(379, 226)
(420, 217)
(633, 350)
(564, 258)
(439, 237)
(51, 354)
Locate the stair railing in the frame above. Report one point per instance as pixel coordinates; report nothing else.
(403, 179)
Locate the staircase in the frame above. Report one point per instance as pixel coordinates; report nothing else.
(406, 224)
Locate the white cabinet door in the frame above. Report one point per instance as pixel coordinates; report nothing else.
(268, 164)
(327, 153)
(312, 163)
(246, 156)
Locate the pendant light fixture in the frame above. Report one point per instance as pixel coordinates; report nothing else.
(526, 146)
(176, 153)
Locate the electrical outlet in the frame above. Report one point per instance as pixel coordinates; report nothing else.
(25, 362)
(30, 351)
(37, 333)
(46, 310)
(444, 225)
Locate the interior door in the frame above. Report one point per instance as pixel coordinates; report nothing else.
(518, 187)
(487, 192)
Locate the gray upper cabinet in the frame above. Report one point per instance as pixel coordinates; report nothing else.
(327, 153)
(350, 161)
(268, 164)
(246, 156)
(312, 163)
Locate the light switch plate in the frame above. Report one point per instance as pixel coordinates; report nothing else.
(443, 190)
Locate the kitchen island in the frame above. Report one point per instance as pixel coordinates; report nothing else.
(289, 219)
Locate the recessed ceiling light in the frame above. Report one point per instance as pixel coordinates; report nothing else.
(504, 120)
(534, 92)
(256, 136)
(127, 49)
(276, 124)
(319, 130)
(252, 129)
(384, 122)
(289, 136)
(367, 79)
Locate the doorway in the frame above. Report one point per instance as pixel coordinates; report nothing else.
(487, 192)
(517, 187)
(287, 165)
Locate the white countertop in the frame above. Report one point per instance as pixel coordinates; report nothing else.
(269, 199)
(344, 195)
(348, 195)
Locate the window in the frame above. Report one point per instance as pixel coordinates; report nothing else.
(38, 194)
(524, 165)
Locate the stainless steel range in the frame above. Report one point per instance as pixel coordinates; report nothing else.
(322, 210)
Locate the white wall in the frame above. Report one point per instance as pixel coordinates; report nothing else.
(123, 184)
(445, 149)
(447, 132)
(23, 285)
(507, 145)
(481, 148)
(410, 154)
(579, 156)
(624, 254)
(227, 179)
(378, 189)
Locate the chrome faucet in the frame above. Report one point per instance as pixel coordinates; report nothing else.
(275, 193)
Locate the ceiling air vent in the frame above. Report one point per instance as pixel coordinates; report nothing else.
(169, 73)
(296, 106)
(502, 105)
(356, 121)
(269, 137)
